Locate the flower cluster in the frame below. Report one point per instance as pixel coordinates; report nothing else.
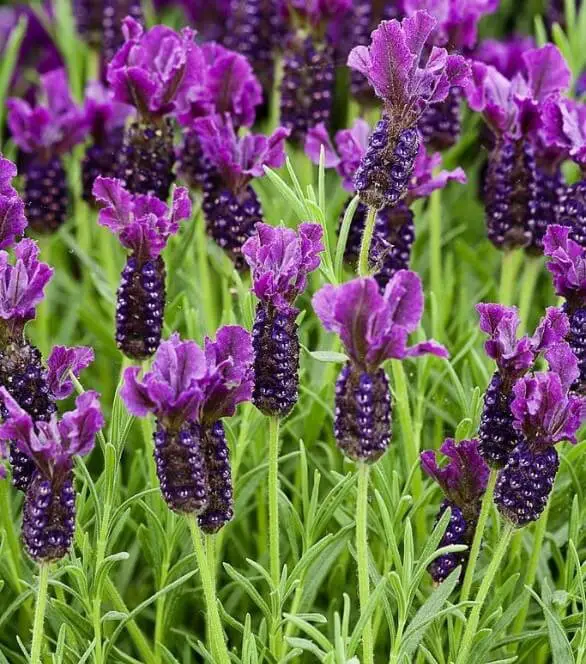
(373, 327)
(189, 390)
(143, 224)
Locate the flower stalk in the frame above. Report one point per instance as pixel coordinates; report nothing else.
(40, 608)
(362, 558)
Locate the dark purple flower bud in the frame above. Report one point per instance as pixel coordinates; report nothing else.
(307, 85)
(394, 67)
(463, 481)
(253, 30)
(280, 261)
(219, 509)
(361, 23)
(548, 189)
(49, 507)
(457, 532)
(363, 422)
(440, 123)
(44, 132)
(192, 166)
(181, 467)
(230, 204)
(113, 13)
(571, 211)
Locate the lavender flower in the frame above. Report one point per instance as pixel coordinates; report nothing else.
(394, 231)
(514, 357)
(228, 85)
(463, 481)
(280, 260)
(12, 217)
(505, 55)
(189, 390)
(545, 414)
(567, 266)
(373, 327)
(152, 71)
(518, 196)
(45, 132)
(230, 204)
(49, 505)
(308, 68)
(143, 224)
(407, 85)
(106, 119)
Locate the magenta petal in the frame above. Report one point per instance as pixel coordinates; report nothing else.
(61, 362)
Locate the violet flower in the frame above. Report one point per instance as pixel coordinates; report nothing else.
(189, 390)
(407, 83)
(44, 133)
(230, 204)
(519, 193)
(514, 358)
(545, 413)
(394, 231)
(143, 225)
(373, 328)
(564, 131)
(12, 218)
(152, 71)
(106, 119)
(280, 260)
(463, 481)
(49, 505)
(227, 86)
(567, 265)
(307, 84)
(505, 55)
(457, 31)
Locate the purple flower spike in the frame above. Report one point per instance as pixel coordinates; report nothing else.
(49, 505)
(45, 132)
(373, 328)
(62, 363)
(143, 225)
(280, 260)
(407, 85)
(12, 218)
(230, 204)
(545, 414)
(463, 481)
(514, 357)
(106, 119)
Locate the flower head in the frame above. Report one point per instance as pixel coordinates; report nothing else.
(463, 480)
(102, 113)
(567, 263)
(281, 259)
(239, 159)
(400, 74)
(187, 383)
(54, 443)
(22, 284)
(351, 147)
(515, 356)
(544, 410)
(56, 124)
(228, 85)
(62, 363)
(372, 326)
(153, 70)
(515, 106)
(12, 217)
(143, 222)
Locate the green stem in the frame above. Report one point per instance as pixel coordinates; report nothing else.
(478, 536)
(435, 241)
(538, 538)
(274, 553)
(362, 559)
(510, 265)
(217, 644)
(41, 604)
(530, 276)
(363, 261)
(485, 586)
